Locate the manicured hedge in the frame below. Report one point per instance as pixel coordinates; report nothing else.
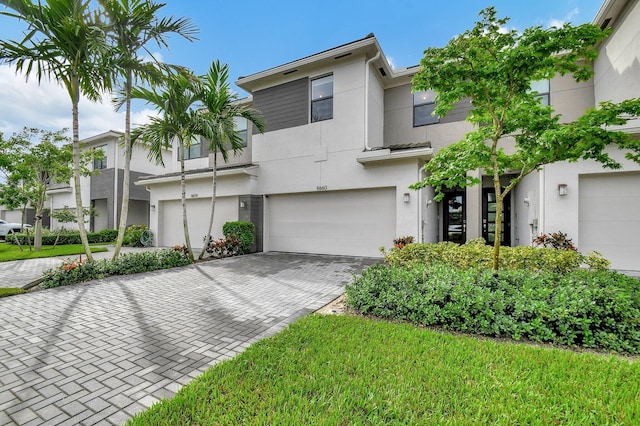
(590, 309)
(49, 239)
(243, 231)
(475, 254)
(127, 263)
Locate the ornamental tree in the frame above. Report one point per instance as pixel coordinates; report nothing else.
(514, 132)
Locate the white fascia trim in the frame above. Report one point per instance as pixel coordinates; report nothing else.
(59, 190)
(250, 171)
(387, 155)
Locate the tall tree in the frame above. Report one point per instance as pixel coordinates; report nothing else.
(495, 69)
(220, 112)
(178, 103)
(37, 166)
(64, 41)
(132, 25)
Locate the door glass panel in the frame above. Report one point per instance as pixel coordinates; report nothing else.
(490, 216)
(454, 220)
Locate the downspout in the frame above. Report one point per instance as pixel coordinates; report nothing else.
(366, 101)
(541, 203)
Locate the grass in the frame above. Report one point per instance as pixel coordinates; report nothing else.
(10, 252)
(351, 370)
(6, 292)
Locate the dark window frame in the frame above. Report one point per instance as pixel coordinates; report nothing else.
(190, 151)
(100, 163)
(323, 100)
(425, 108)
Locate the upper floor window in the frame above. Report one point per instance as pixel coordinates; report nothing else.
(542, 87)
(423, 106)
(240, 126)
(322, 98)
(194, 150)
(100, 160)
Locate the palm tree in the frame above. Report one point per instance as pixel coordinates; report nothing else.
(177, 102)
(65, 40)
(220, 111)
(132, 25)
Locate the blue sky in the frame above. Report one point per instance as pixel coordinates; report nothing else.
(252, 36)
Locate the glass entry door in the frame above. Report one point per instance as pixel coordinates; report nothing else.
(489, 217)
(455, 223)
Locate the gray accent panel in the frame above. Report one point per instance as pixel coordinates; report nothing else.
(459, 112)
(283, 106)
(253, 212)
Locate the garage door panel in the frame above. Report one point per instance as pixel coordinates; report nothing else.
(198, 211)
(340, 222)
(609, 217)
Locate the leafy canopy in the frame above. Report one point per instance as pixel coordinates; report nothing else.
(494, 69)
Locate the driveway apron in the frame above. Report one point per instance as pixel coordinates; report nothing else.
(99, 352)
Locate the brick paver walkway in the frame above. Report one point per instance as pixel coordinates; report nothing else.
(97, 353)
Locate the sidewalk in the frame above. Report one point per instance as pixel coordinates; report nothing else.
(18, 273)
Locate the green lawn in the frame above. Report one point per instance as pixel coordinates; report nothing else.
(340, 370)
(12, 252)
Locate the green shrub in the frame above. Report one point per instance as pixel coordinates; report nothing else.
(69, 237)
(582, 308)
(475, 254)
(71, 272)
(132, 235)
(243, 231)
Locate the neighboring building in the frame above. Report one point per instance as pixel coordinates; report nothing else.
(103, 190)
(346, 137)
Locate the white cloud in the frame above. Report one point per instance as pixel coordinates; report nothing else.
(557, 23)
(47, 106)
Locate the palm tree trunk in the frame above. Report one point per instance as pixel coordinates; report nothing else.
(183, 189)
(76, 169)
(213, 203)
(124, 210)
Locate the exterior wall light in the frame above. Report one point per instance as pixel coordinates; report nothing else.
(562, 189)
(242, 205)
(407, 197)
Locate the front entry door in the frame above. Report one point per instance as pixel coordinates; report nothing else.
(455, 223)
(489, 217)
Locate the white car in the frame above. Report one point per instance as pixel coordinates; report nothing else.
(8, 227)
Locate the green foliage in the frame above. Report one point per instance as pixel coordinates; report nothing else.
(243, 231)
(494, 70)
(344, 370)
(475, 254)
(581, 308)
(6, 292)
(9, 252)
(71, 272)
(68, 237)
(596, 262)
(133, 234)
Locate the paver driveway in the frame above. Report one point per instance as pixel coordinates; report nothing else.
(100, 352)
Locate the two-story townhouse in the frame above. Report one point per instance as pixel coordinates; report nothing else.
(102, 190)
(346, 136)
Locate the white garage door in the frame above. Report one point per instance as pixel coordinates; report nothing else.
(353, 223)
(198, 211)
(610, 217)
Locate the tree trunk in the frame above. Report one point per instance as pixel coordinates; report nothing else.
(498, 230)
(37, 239)
(76, 169)
(213, 203)
(124, 210)
(183, 189)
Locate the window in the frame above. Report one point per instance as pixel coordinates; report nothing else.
(542, 89)
(192, 151)
(100, 159)
(322, 98)
(423, 106)
(240, 126)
